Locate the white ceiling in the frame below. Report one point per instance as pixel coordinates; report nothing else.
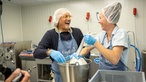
(31, 2)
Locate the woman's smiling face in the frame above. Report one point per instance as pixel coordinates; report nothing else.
(103, 21)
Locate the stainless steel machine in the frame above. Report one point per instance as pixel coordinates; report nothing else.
(7, 59)
(9, 54)
(39, 69)
(118, 76)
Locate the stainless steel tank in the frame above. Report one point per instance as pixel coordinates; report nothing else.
(74, 73)
(93, 66)
(144, 62)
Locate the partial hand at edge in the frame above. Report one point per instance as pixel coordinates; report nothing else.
(26, 77)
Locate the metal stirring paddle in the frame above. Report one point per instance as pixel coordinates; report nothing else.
(80, 47)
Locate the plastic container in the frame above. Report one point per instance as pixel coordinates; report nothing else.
(117, 76)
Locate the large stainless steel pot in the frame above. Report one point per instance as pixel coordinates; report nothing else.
(93, 66)
(75, 72)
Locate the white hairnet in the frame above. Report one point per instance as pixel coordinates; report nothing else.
(112, 12)
(58, 13)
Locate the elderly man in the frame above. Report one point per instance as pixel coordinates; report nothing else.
(59, 42)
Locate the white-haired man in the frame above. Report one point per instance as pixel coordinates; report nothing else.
(59, 42)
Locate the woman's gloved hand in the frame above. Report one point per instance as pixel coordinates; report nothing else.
(89, 39)
(73, 55)
(57, 56)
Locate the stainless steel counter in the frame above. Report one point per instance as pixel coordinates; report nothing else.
(40, 69)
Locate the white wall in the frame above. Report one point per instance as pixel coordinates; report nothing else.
(144, 25)
(31, 22)
(11, 23)
(35, 18)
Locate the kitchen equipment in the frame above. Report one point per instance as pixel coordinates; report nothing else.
(117, 76)
(93, 66)
(74, 72)
(144, 61)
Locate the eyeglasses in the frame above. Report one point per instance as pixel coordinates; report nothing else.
(67, 16)
(97, 16)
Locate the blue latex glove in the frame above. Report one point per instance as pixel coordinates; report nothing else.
(80, 56)
(57, 56)
(89, 39)
(73, 55)
(97, 60)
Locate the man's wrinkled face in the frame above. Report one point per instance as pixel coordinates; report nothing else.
(64, 22)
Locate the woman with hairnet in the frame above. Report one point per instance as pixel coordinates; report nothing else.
(112, 43)
(59, 42)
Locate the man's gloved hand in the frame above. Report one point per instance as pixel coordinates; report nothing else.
(73, 55)
(57, 56)
(89, 39)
